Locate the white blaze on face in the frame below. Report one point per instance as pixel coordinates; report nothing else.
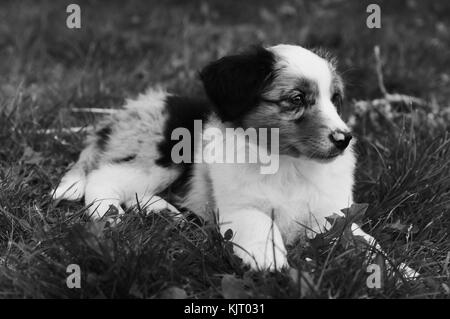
(296, 62)
(332, 118)
(302, 63)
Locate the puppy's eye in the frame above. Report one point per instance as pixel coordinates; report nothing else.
(337, 101)
(297, 100)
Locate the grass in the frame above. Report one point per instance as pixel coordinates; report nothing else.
(47, 69)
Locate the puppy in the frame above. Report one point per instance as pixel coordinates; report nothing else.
(292, 90)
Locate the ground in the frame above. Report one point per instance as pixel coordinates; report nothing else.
(47, 70)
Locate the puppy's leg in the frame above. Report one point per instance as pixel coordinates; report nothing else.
(154, 204)
(407, 272)
(150, 183)
(105, 187)
(256, 237)
(71, 186)
(122, 184)
(73, 183)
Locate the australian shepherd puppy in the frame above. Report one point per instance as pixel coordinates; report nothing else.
(288, 88)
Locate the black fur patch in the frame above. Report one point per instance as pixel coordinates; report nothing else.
(235, 83)
(181, 112)
(125, 159)
(103, 137)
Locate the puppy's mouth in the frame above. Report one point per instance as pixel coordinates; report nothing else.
(318, 155)
(325, 156)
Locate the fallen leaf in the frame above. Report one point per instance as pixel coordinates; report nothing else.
(228, 235)
(355, 212)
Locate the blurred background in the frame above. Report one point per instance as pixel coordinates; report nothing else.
(124, 47)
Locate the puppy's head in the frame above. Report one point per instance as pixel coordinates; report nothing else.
(286, 87)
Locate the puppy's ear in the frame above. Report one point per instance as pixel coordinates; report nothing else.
(235, 83)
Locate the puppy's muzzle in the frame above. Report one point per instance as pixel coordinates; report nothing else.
(340, 139)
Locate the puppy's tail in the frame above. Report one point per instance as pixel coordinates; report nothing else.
(73, 183)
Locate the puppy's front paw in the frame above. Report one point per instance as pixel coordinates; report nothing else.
(98, 209)
(71, 187)
(262, 256)
(156, 204)
(256, 237)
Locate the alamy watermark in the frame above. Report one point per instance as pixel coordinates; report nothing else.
(74, 279)
(228, 145)
(73, 20)
(373, 20)
(374, 278)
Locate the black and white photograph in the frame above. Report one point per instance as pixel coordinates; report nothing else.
(225, 153)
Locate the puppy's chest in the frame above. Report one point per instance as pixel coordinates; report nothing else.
(303, 204)
(295, 199)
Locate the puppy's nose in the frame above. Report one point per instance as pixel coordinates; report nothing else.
(340, 139)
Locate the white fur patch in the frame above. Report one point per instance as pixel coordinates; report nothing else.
(300, 62)
(257, 238)
(71, 186)
(117, 184)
